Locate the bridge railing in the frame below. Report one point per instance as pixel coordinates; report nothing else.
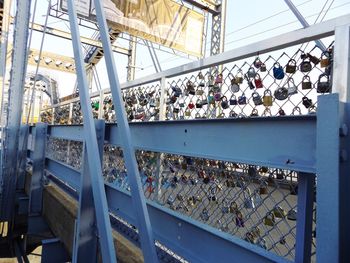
(242, 186)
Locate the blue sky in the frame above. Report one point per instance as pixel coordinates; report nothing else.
(247, 22)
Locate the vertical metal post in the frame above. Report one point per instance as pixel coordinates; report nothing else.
(327, 170)
(70, 113)
(86, 235)
(19, 60)
(36, 185)
(131, 59)
(100, 109)
(22, 155)
(306, 184)
(91, 145)
(144, 224)
(341, 85)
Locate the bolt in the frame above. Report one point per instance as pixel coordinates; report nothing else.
(343, 130)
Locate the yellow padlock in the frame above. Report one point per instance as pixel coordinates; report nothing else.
(269, 219)
(267, 98)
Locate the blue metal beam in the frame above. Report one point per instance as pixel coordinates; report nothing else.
(328, 149)
(293, 138)
(8, 173)
(139, 204)
(93, 159)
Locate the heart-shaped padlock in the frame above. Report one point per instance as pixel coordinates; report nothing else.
(233, 100)
(191, 105)
(291, 87)
(324, 84)
(224, 103)
(277, 70)
(267, 98)
(307, 102)
(257, 99)
(258, 82)
(306, 83)
(242, 100)
(281, 93)
(291, 66)
(305, 65)
(251, 73)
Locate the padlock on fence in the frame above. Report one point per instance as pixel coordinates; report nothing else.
(257, 63)
(257, 99)
(251, 73)
(258, 82)
(224, 103)
(306, 83)
(277, 70)
(325, 61)
(267, 98)
(291, 87)
(291, 66)
(269, 219)
(305, 65)
(324, 83)
(281, 93)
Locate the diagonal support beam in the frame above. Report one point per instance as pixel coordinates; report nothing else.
(138, 198)
(93, 159)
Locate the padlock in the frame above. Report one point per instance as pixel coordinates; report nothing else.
(239, 219)
(269, 219)
(279, 212)
(281, 93)
(254, 113)
(249, 237)
(225, 207)
(233, 114)
(219, 79)
(230, 183)
(200, 75)
(291, 66)
(277, 70)
(305, 65)
(248, 201)
(204, 215)
(217, 96)
(257, 198)
(263, 188)
(191, 105)
(242, 100)
(257, 99)
(177, 91)
(233, 207)
(176, 110)
(199, 92)
(190, 88)
(323, 86)
(325, 61)
(262, 243)
(296, 111)
(201, 80)
(307, 102)
(211, 81)
(306, 83)
(250, 84)
(281, 112)
(291, 87)
(204, 100)
(234, 85)
(181, 102)
(263, 68)
(188, 113)
(239, 77)
(170, 200)
(197, 116)
(211, 98)
(224, 103)
(292, 214)
(267, 98)
(199, 104)
(313, 59)
(251, 73)
(258, 82)
(257, 63)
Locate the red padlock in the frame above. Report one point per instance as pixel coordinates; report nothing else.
(191, 105)
(258, 82)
